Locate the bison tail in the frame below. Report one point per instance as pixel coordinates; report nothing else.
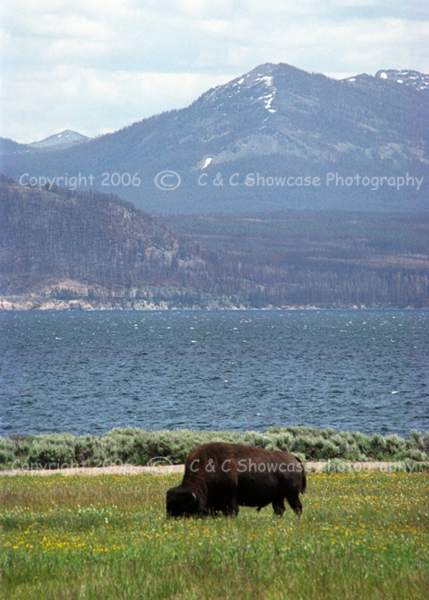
(303, 478)
(304, 482)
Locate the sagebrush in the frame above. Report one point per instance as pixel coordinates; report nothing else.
(138, 447)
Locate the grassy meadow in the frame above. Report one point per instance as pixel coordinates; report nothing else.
(362, 535)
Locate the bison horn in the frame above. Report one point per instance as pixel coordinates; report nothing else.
(194, 496)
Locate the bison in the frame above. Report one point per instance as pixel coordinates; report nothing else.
(220, 477)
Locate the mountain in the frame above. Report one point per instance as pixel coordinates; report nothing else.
(62, 249)
(60, 140)
(275, 138)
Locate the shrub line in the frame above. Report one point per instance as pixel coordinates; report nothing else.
(124, 447)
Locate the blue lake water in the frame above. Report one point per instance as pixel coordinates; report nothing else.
(88, 372)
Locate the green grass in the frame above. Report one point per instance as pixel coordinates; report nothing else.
(104, 537)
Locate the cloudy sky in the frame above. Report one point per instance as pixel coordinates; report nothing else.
(98, 65)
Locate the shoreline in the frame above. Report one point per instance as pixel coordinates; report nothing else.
(35, 302)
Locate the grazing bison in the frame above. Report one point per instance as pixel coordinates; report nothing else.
(221, 477)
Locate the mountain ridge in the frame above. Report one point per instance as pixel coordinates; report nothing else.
(58, 244)
(276, 120)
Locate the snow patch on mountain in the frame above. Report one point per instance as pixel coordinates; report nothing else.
(267, 100)
(267, 79)
(414, 79)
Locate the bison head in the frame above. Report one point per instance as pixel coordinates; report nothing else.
(183, 502)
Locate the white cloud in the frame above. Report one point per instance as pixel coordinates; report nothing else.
(75, 26)
(353, 3)
(101, 64)
(124, 97)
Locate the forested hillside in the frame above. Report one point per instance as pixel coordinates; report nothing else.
(63, 249)
(330, 259)
(72, 245)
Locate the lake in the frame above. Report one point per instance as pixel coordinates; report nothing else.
(89, 372)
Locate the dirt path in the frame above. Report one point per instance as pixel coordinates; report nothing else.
(311, 467)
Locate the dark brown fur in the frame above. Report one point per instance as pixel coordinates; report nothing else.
(221, 477)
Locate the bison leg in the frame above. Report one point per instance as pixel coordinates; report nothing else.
(228, 511)
(234, 507)
(231, 508)
(295, 503)
(279, 507)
